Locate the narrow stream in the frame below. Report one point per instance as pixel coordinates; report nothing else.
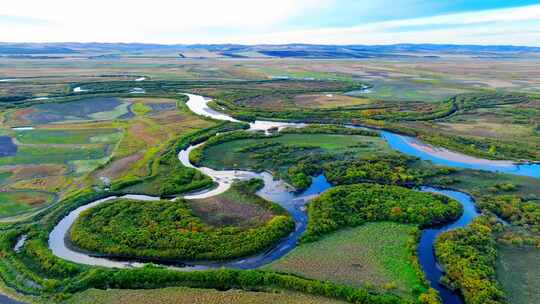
(426, 255)
(277, 191)
(7, 300)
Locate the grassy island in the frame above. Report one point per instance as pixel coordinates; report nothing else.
(183, 230)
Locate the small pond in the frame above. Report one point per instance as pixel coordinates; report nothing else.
(7, 147)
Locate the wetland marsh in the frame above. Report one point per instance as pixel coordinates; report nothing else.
(175, 163)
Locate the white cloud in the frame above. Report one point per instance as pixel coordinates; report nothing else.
(110, 20)
(244, 21)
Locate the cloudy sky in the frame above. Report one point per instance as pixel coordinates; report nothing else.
(277, 21)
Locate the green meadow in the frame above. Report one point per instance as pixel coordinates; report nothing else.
(375, 254)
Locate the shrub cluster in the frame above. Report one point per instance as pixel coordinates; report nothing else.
(468, 256)
(353, 205)
(384, 169)
(514, 210)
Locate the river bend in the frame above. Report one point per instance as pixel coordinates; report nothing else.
(279, 192)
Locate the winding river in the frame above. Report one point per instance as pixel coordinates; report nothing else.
(277, 191)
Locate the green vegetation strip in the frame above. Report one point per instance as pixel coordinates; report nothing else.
(42, 136)
(56, 155)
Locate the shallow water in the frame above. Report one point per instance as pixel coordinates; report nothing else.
(440, 156)
(137, 91)
(199, 105)
(7, 147)
(83, 109)
(59, 248)
(260, 125)
(359, 92)
(20, 243)
(22, 128)
(6, 300)
(79, 90)
(223, 179)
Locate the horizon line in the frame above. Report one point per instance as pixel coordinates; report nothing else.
(276, 44)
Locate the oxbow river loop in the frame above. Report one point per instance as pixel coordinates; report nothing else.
(277, 191)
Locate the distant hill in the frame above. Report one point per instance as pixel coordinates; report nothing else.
(253, 51)
(34, 49)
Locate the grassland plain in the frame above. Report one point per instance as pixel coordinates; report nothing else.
(37, 254)
(148, 134)
(121, 149)
(326, 101)
(179, 295)
(414, 89)
(499, 125)
(478, 183)
(375, 254)
(44, 170)
(230, 154)
(14, 202)
(85, 109)
(517, 271)
(407, 72)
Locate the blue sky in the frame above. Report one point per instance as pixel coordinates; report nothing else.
(277, 21)
(354, 12)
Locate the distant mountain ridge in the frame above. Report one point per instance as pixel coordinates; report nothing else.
(264, 50)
